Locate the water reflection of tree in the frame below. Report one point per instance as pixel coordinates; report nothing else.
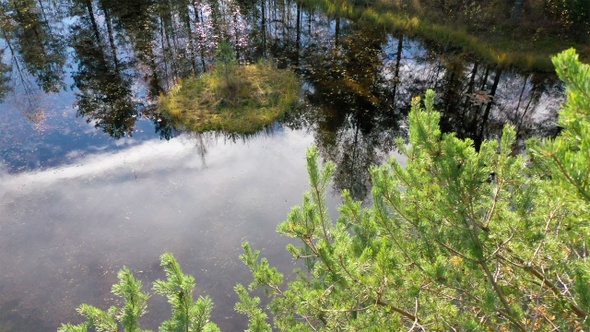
(355, 123)
(34, 45)
(363, 78)
(4, 77)
(104, 88)
(476, 99)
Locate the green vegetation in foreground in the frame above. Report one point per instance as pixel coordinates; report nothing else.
(187, 314)
(457, 239)
(485, 28)
(232, 98)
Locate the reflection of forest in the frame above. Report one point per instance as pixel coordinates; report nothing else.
(359, 79)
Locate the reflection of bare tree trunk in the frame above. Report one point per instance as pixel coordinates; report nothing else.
(449, 98)
(153, 78)
(396, 78)
(309, 20)
(353, 176)
(40, 4)
(521, 94)
(436, 73)
(484, 80)
(237, 36)
(263, 24)
(164, 58)
(337, 31)
(199, 18)
(92, 20)
(191, 44)
(96, 31)
(468, 98)
(171, 31)
(471, 83)
(298, 34)
(526, 109)
(196, 9)
(215, 19)
(166, 31)
(16, 63)
(107, 18)
(486, 114)
(285, 19)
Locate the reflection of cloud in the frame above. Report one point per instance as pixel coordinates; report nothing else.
(92, 165)
(64, 232)
(149, 156)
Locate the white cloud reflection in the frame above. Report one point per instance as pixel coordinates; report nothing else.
(65, 231)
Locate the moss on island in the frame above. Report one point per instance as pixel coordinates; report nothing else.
(232, 98)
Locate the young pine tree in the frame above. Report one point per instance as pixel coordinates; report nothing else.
(455, 239)
(187, 315)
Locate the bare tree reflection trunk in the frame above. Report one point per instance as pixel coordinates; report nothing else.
(16, 62)
(90, 11)
(263, 25)
(484, 80)
(185, 15)
(298, 34)
(337, 31)
(486, 114)
(521, 93)
(396, 78)
(107, 18)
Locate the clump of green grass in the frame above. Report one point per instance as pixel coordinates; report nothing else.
(232, 98)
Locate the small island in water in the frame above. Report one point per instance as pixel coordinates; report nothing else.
(232, 98)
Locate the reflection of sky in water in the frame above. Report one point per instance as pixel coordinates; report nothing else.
(40, 131)
(65, 231)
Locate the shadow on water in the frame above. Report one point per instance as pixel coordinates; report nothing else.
(68, 64)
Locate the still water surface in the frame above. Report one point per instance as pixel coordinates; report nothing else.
(93, 178)
(67, 230)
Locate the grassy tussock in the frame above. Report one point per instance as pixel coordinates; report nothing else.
(232, 99)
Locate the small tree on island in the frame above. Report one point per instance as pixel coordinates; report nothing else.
(226, 62)
(455, 240)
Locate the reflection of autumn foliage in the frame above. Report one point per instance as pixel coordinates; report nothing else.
(480, 97)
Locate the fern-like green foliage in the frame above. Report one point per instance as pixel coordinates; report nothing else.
(187, 315)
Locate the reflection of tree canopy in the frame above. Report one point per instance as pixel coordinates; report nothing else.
(362, 77)
(355, 125)
(478, 99)
(27, 32)
(4, 78)
(104, 90)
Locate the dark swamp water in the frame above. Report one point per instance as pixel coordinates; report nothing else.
(93, 178)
